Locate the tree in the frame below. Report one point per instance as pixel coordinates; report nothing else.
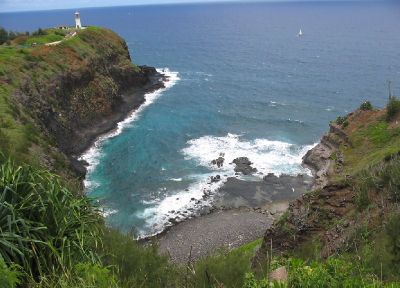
(3, 35)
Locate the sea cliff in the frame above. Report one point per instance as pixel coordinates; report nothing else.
(355, 189)
(57, 99)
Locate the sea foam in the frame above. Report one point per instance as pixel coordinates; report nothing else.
(267, 156)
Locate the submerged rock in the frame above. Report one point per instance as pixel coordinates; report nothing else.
(219, 161)
(215, 178)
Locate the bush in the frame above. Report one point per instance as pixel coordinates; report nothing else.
(226, 268)
(366, 106)
(341, 120)
(392, 108)
(137, 265)
(393, 231)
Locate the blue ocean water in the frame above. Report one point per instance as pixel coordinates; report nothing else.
(242, 84)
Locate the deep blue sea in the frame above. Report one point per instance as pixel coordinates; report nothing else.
(242, 83)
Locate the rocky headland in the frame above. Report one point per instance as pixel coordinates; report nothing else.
(68, 94)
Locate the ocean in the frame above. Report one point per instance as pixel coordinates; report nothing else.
(241, 83)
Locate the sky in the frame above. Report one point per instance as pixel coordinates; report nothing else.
(30, 5)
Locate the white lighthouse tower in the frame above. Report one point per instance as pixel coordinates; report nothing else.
(78, 24)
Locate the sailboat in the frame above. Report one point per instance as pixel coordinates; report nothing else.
(300, 33)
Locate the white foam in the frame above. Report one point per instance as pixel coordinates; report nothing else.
(267, 156)
(179, 205)
(93, 154)
(107, 212)
(176, 179)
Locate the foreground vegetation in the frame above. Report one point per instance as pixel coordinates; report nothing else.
(52, 237)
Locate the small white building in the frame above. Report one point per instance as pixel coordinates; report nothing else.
(78, 24)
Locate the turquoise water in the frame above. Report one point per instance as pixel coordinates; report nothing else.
(242, 83)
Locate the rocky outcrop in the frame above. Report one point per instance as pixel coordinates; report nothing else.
(309, 215)
(243, 165)
(325, 156)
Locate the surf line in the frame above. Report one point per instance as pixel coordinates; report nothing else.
(93, 154)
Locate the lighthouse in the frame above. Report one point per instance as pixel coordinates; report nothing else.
(78, 24)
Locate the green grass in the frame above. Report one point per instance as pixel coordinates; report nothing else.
(43, 39)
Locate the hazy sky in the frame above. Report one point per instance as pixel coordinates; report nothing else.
(26, 5)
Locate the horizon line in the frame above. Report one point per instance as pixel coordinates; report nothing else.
(185, 3)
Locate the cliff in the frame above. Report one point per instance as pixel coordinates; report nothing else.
(54, 100)
(356, 189)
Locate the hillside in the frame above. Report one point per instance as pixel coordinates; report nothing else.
(353, 210)
(55, 99)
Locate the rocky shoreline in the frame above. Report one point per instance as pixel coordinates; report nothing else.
(242, 210)
(130, 101)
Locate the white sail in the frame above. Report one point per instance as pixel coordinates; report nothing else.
(300, 33)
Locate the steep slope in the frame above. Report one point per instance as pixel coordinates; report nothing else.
(54, 100)
(355, 195)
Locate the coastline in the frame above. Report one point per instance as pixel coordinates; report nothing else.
(241, 210)
(86, 154)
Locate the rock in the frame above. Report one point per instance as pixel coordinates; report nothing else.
(215, 178)
(243, 165)
(279, 275)
(173, 220)
(219, 161)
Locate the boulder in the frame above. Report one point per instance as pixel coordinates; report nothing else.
(243, 165)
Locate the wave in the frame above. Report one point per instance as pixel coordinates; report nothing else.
(267, 156)
(93, 154)
(180, 205)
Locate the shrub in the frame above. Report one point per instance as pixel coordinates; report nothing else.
(366, 106)
(362, 198)
(340, 120)
(392, 108)
(226, 269)
(136, 265)
(393, 231)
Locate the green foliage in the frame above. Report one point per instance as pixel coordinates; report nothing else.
(392, 108)
(340, 120)
(224, 268)
(251, 282)
(366, 106)
(393, 231)
(362, 198)
(379, 133)
(45, 227)
(334, 272)
(9, 276)
(383, 177)
(6, 36)
(82, 276)
(136, 265)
